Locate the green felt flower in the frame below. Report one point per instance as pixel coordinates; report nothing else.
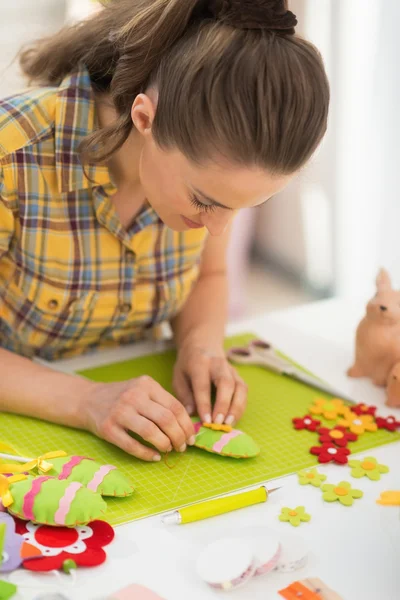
(369, 467)
(311, 477)
(294, 516)
(343, 492)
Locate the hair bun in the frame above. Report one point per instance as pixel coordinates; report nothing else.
(271, 15)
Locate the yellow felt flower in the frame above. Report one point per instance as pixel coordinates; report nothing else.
(330, 409)
(358, 424)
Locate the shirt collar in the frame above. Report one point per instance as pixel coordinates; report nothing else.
(74, 120)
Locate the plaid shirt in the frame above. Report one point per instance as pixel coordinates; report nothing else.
(71, 277)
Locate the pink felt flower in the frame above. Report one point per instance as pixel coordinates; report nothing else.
(337, 435)
(331, 453)
(56, 545)
(306, 422)
(390, 423)
(364, 409)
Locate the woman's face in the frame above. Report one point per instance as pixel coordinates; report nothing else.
(187, 195)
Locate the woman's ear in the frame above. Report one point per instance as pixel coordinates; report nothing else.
(143, 113)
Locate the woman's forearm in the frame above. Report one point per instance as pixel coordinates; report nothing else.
(33, 390)
(202, 320)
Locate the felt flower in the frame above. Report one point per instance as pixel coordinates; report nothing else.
(343, 493)
(311, 477)
(331, 453)
(59, 546)
(358, 424)
(364, 409)
(390, 423)
(294, 516)
(369, 467)
(12, 544)
(306, 422)
(337, 435)
(330, 409)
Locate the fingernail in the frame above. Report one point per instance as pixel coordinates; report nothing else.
(190, 410)
(182, 448)
(207, 418)
(230, 419)
(219, 419)
(192, 440)
(156, 458)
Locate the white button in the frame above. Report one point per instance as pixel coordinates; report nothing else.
(332, 451)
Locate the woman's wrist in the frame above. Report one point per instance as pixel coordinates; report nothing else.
(203, 339)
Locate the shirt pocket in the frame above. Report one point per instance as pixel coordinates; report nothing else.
(46, 316)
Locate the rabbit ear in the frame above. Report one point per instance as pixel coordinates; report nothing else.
(383, 282)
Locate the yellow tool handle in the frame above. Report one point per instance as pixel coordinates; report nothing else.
(212, 508)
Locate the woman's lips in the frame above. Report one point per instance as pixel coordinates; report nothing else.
(191, 224)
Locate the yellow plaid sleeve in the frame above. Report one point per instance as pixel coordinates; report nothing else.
(6, 219)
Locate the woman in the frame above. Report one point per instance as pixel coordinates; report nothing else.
(148, 127)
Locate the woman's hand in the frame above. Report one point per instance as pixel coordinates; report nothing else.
(140, 406)
(195, 370)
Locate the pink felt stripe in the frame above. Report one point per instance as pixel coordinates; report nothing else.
(65, 502)
(27, 508)
(226, 438)
(99, 477)
(68, 466)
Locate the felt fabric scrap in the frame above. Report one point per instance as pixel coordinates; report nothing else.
(294, 516)
(337, 435)
(389, 423)
(10, 550)
(368, 467)
(330, 409)
(233, 443)
(311, 477)
(358, 424)
(389, 498)
(342, 492)
(56, 547)
(7, 590)
(364, 409)
(306, 422)
(331, 453)
(50, 501)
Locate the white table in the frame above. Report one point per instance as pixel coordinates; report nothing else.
(354, 550)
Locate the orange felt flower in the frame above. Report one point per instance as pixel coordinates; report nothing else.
(330, 409)
(358, 424)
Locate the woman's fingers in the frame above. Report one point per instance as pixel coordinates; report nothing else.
(223, 379)
(201, 386)
(183, 391)
(157, 417)
(119, 437)
(174, 421)
(239, 400)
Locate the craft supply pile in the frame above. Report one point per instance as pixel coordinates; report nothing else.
(53, 507)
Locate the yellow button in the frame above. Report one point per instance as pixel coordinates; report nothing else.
(368, 465)
(52, 304)
(126, 307)
(310, 475)
(340, 491)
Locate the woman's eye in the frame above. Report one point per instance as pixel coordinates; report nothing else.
(194, 201)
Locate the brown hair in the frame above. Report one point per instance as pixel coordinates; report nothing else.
(232, 78)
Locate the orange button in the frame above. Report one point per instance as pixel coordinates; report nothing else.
(336, 435)
(52, 304)
(340, 491)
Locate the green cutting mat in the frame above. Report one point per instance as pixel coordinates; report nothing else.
(273, 402)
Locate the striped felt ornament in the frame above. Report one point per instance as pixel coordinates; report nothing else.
(103, 479)
(224, 440)
(51, 501)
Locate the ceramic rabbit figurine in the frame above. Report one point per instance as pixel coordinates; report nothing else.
(393, 387)
(378, 338)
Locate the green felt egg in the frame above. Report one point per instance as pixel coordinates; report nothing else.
(103, 479)
(234, 443)
(49, 501)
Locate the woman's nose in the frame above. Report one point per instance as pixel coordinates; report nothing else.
(216, 223)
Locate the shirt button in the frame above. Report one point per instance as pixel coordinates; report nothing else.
(130, 257)
(126, 307)
(52, 304)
